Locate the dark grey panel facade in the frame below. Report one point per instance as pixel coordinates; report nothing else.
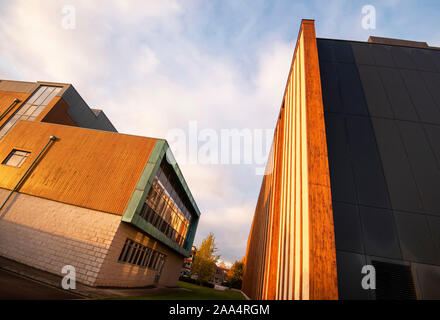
(382, 116)
(81, 113)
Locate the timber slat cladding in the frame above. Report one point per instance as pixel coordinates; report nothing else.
(87, 168)
(291, 248)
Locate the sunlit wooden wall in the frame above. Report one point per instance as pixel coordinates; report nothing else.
(291, 248)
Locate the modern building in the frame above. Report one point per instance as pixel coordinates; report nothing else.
(187, 263)
(354, 175)
(75, 192)
(221, 274)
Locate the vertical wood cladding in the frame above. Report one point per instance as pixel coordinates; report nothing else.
(77, 168)
(291, 247)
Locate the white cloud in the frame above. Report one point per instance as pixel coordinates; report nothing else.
(135, 62)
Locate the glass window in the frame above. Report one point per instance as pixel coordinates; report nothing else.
(32, 108)
(16, 158)
(164, 207)
(140, 255)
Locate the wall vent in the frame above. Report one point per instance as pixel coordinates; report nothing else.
(394, 281)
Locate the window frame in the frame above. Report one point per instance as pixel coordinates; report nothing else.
(11, 154)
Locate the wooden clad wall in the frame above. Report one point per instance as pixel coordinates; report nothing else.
(291, 248)
(87, 168)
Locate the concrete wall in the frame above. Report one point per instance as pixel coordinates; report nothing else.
(48, 235)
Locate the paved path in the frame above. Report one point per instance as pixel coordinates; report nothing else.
(17, 287)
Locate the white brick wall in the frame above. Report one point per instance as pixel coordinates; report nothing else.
(48, 235)
(114, 273)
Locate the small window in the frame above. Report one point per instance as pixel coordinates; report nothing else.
(16, 158)
(136, 254)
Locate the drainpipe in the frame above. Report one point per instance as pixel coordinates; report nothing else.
(51, 139)
(9, 108)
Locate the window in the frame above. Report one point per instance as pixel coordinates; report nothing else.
(142, 256)
(165, 208)
(32, 108)
(16, 158)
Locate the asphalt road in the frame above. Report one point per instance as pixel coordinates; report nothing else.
(16, 287)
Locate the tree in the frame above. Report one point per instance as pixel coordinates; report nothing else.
(205, 260)
(235, 275)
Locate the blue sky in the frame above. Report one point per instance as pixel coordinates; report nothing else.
(153, 66)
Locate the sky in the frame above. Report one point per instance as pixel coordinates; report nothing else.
(156, 66)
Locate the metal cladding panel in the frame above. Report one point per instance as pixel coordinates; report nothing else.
(416, 239)
(390, 155)
(81, 113)
(348, 228)
(380, 234)
(340, 162)
(349, 277)
(87, 168)
(291, 248)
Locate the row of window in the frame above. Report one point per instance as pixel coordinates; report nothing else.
(32, 108)
(164, 206)
(142, 256)
(162, 212)
(171, 185)
(162, 225)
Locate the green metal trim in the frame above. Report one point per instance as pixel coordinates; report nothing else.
(181, 178)
(155, 233)
(132, 212)
(143, 186)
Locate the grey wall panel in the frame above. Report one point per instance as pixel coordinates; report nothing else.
(382, 56)
(362, 53)
(343, 52)
(326, 50)
(341, 168)
(348, 232)
(433, 133)
(420, 96)
(379, 233)
(436, 58)
(81, 113)
(434, 226)
(416, 240)
(330, 92)
(335, 51)
(423, 163)
(352, 95)
(350, 277)
(423, 59)
(428, 279)
(404, 194)
(377, 100)
(382, 117)
(402, 57)
(369, 179)
(398, 96)
(432, 81)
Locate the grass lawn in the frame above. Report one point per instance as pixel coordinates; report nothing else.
(193, 292)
